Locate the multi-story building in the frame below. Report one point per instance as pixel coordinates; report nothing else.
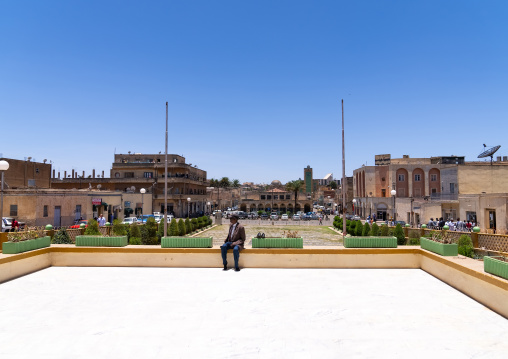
(435, 187)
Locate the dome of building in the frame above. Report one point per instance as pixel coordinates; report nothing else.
(276, 183)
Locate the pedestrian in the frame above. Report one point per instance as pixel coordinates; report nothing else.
(320, 220)
(14, 225)
(234, 240)
(101, 220)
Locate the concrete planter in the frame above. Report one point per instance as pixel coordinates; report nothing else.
(449, 250)
(370, 242)
(495, 266)
(101, 241)
(25, 246)
(277, 242)
(186, 242)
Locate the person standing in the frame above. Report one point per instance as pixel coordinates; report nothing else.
(234, 240)
(102, 221)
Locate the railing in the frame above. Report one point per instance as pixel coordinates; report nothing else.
(444, 196)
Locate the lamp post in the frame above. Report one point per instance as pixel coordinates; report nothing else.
(393, 193)
(4, 166)
(354, 207)
(188, 206)
(209, 209)
(143, 191)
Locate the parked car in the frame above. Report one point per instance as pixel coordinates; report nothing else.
(356, 218)
(242, 215)
(144, 217)
(7, 224)
(253, 215)
(264, 216)
(296, 217)
(130, 220)
(274, 216)
(159, 217)
(402, 223)
(284, 217)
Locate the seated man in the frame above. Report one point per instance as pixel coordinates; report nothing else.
(235, 240)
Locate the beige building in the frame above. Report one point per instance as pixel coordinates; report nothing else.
(435, 187)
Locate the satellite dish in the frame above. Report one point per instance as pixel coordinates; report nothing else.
(490, 152)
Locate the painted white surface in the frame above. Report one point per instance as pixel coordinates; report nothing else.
(66, 312)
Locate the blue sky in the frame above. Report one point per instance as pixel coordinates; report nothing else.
(254, 87)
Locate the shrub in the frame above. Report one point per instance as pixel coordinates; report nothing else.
(135, 241)
(194, 224)
(160, 230)
(374, 230)
(134, 231)
(173, 228)
(188, 227)
(399, 234)
(93, 228)
(384, 230)
(181, 227)
(466, 246)
(61, 237)
(149, 232)
(366, 230)
(414, 237)
(119, 229)
(201, 222)
(359, 228)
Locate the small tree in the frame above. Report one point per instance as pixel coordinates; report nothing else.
(173, 228)
(359, 228)
(366, 230)
(384, 230)
(399, 234)
(414, 237)
(135, 232)
(149, 232)
(160, 230)
(119, 229)
(188, 227)
(466, 246)
(93, 228)
(181, 227)
(61, 237)
(374, 230)
(194, 224)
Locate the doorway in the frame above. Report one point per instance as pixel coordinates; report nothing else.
(492, 220)
(57, 222)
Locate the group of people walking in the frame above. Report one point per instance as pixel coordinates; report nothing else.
(458, 225)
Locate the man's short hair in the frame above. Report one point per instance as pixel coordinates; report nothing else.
(234, 216)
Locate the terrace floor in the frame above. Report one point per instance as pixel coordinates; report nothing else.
(85, 312)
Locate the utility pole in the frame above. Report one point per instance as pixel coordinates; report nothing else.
(166, 178)
(344, 183)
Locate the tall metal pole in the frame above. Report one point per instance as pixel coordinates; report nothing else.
(344, 183)
(2, 204)
(166, 178)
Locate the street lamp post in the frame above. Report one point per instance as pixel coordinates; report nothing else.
(209, 209)
(354, 206)
(143, 191)
(393, 193)
(4, 166)
(188, 206)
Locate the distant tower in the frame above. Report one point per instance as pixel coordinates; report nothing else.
(307, 175)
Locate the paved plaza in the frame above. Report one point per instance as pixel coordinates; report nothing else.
(96, 312)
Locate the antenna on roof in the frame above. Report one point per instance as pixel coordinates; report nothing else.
(490, 152)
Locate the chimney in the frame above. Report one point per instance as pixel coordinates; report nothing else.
(58, 174)
(498, 158)
(72, 173)
(54, 173)
(83, 174)
(102, 174)
(93, 173)
(65, 174)
(505, 158)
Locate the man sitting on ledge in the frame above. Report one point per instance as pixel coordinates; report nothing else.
(235, 240)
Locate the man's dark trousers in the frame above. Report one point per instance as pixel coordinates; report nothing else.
(224, 251)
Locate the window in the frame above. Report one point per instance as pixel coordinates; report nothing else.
(263, 196)
(401, 178)
(36, 170)
(434, 190)
(433, 178)
(268, 196)
(45, 211)
(148, 174)
(276, 196)
(31, 183)
(14, 210)
(288, 196)
(129, 175)
(383, 192)
(417, 178)
(452, 187)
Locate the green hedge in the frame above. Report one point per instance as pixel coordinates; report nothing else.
(186, 242)
(450, 250)
(495, 266)
(101, 241)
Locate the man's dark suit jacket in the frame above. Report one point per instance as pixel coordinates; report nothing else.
(237, 237)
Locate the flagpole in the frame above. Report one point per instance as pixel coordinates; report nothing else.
(166, 179)
(344, 183)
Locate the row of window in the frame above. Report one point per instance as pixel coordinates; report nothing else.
(275, 196)
(418, 178)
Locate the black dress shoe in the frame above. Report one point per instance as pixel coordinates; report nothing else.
(225, 267)
(237, 269)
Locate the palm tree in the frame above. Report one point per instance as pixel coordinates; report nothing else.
(214, 182)
(294, 186)
(224, 182)
(235, 183)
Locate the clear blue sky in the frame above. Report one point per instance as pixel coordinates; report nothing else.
(254, 87)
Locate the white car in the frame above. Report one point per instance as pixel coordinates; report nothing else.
(160, 217)
(296, 217)
(130, 220)
(284, 217)
(274, 216)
